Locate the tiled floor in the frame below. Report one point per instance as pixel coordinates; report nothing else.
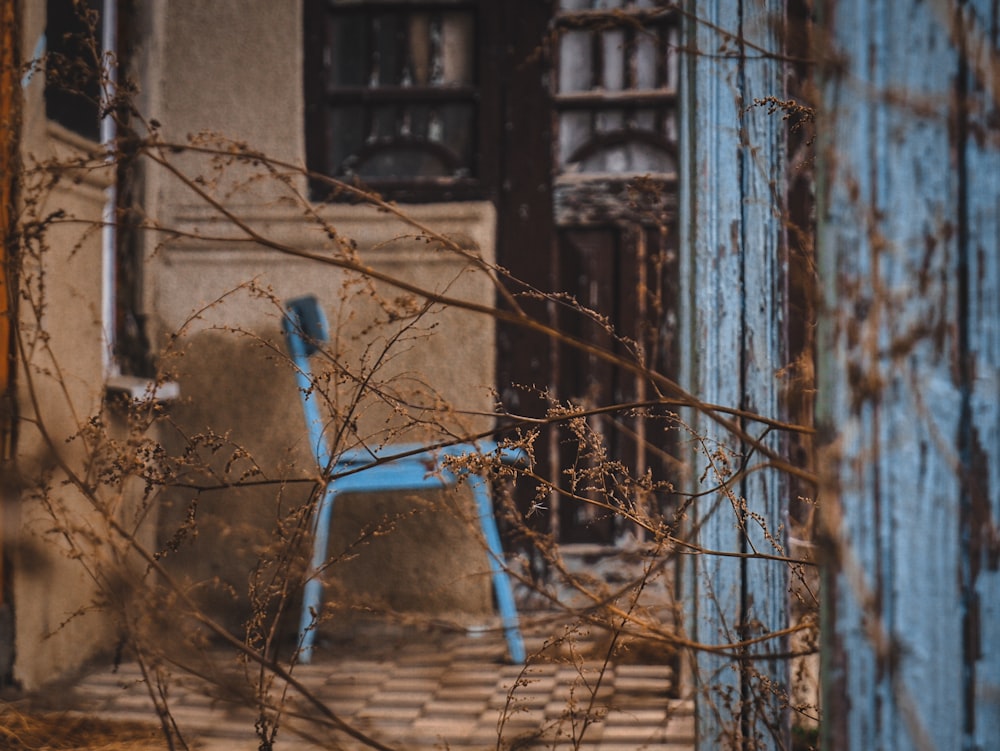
(417, 689)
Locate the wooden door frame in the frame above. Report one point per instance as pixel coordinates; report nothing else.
(531, 205)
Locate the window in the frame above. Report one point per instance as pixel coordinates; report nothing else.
(615, 94)
(72, 70)
(394, 96)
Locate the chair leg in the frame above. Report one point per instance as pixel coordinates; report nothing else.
(312, 594)
(501, 579)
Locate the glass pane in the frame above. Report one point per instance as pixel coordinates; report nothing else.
(671, 53)
(574, 131)
(435, 126)
(385, 123)
(345, 136)
(420, 50)
(403, 162)
(575, 62)
(458, 123)
(387, 30)
(647, 51)
(417, 117)
(644, 120)
(419, 141)
(349, 59)
(72, 85)
(629, 158)
(609, 121)
(455, 49)
(614, 59)
(614, 160)
(670, 127)
(644, 157)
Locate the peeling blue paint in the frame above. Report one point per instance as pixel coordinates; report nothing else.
(733, 271)
(911, 401)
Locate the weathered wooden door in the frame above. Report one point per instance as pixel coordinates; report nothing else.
(586, 208)
(909, 374)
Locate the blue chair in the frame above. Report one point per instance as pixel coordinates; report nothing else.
(397, 467)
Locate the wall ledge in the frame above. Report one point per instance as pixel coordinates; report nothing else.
(138, 389)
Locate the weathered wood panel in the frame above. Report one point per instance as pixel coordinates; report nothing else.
(979, 45)
(732, 278)
(766, 492)
(908, 378)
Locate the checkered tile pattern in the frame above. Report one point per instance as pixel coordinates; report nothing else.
(415, 690)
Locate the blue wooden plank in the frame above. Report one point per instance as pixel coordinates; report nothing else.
(765, 492)
(981, 258)
(711, 265)
(731, 268)
(908, 253)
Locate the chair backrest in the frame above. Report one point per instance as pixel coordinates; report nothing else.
(306, 319)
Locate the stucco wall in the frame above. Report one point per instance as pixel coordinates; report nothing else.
(55, 539)
(49, 585)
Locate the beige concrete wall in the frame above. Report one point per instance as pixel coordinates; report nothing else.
(60, 384)
(233, 68)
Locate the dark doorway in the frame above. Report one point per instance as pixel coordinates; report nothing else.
(586, 209)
